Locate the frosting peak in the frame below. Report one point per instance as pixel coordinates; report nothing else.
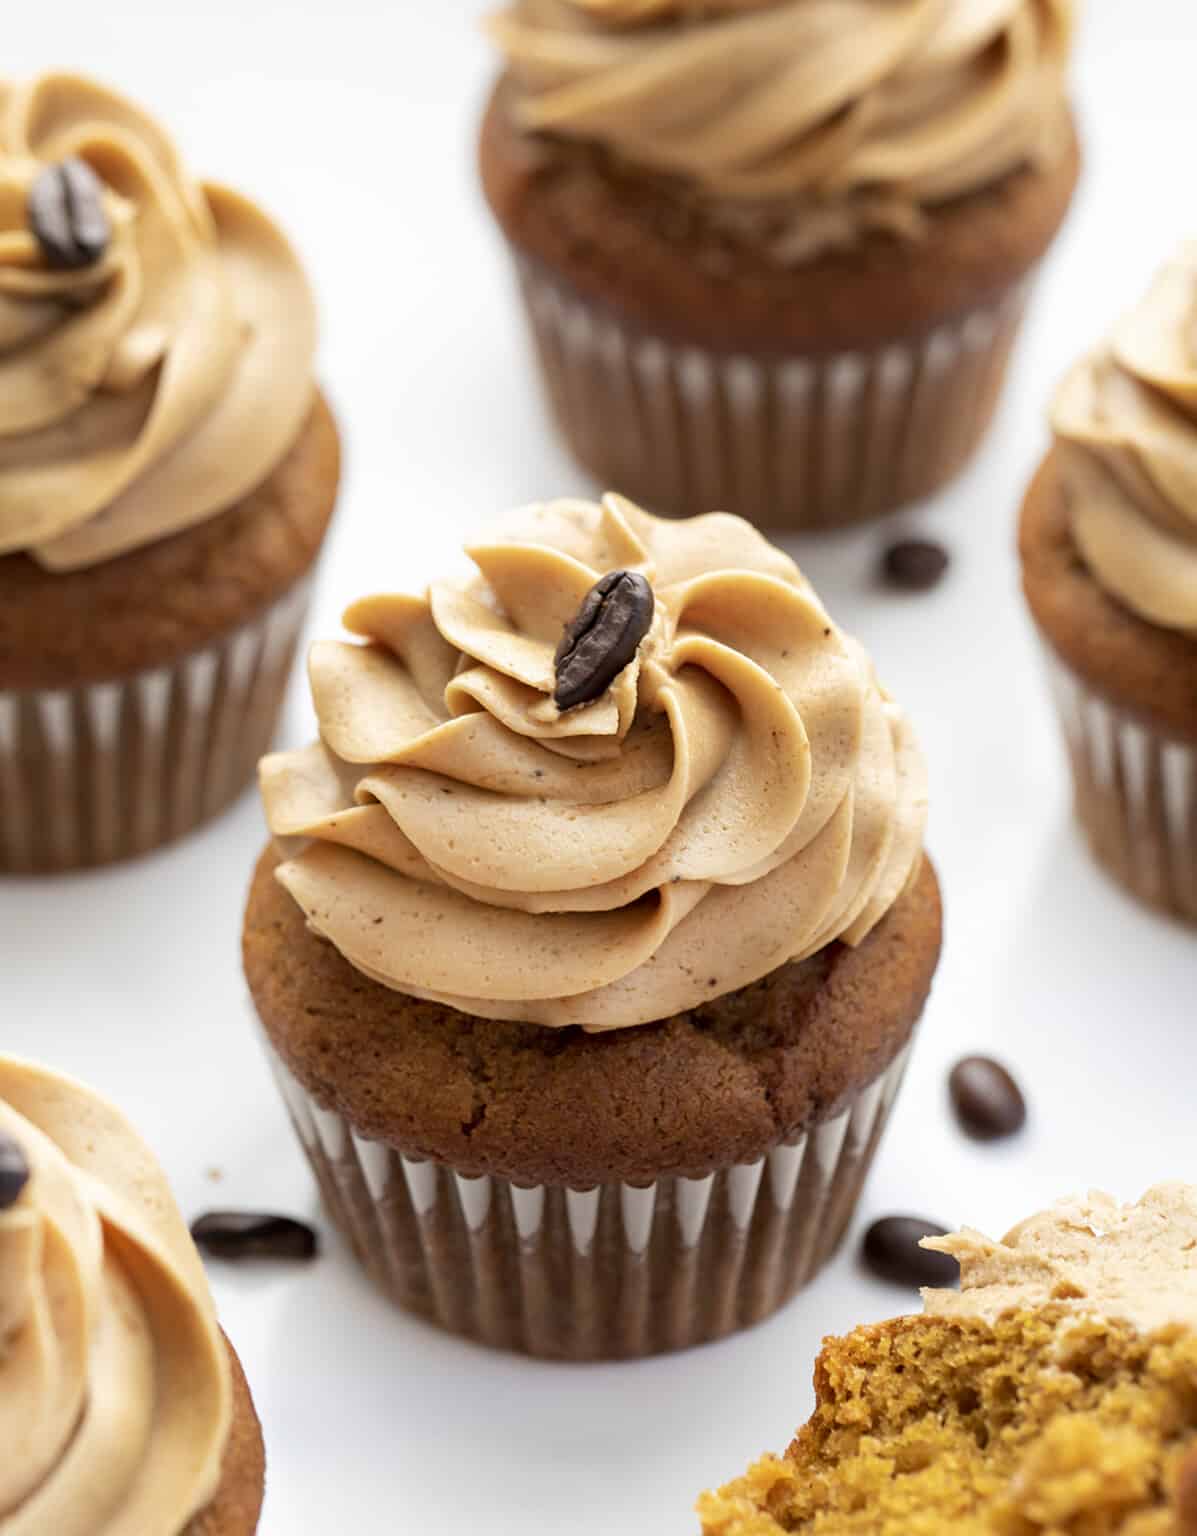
(1089, 1255)
(1125, 422)
(741, 795)
(156, 386)
(813, 120)
(115, 1387)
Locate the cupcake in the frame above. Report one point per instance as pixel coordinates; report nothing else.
(775, 252)
(1109, 559)
(1056, 1393)
(167, 475)
(595, 932)
(128, 1404)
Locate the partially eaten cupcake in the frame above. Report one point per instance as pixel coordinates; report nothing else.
(1056, 1393)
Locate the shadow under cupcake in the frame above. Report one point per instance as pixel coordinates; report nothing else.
(596, 932)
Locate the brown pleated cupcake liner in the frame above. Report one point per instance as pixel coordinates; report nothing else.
(108, 771)
(1136, 794)
(791, 442)
(618, 1271)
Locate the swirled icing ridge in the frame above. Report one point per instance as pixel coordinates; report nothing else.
(1125, 423)
(115, 1389)
(743, 794)
(157, 387)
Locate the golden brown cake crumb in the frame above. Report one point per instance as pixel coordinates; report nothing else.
(1044, 1424)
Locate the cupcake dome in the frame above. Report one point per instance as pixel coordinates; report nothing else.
(744, 785)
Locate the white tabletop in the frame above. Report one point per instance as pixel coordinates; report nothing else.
(354, 121)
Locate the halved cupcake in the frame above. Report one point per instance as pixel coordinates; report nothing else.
(1055, 1395)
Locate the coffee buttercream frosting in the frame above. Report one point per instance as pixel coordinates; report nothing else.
(115, 1383)
(1087, 1255)
(160, 383)
(804, 121)
(741, 795)
(1125, 424)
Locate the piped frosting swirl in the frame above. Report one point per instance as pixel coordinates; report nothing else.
(156, 387)
(115, 1386)
(743, 794)
(1125, 424)
(803, 122)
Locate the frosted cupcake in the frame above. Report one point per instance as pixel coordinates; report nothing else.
(1109, 557)
(167, 474)
(595, 933)
(125, 1408)
(775, 252)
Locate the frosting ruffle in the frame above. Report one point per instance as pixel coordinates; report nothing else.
(158, 386)
(115, 1385)
(801, 122)
(743, 794)
(1125, 423)
(1087, 1255)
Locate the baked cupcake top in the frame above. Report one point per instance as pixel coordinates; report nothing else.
(1125, 424)
(800, 124)
(725, 787)
(156, 333)
(115, 1383)
(1089, 1255)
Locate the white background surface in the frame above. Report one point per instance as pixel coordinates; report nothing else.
(354, 122)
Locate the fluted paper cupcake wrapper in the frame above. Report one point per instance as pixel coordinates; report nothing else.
(104, 772)
(1136, 794)
(616, 1271)
(792, 442)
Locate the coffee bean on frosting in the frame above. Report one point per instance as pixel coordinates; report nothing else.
(989, 1104)
(914, 565)
(14, 1172)
(891, 1250)
(254, 1235)
(598, 643)
(67, 215)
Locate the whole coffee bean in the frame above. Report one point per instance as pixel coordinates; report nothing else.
(602, 638)
(14, 1172)
(915, 565)
(67, 214)
(891, 1250)
(988, 1102)
(254, 1235)
(1186, 1495)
